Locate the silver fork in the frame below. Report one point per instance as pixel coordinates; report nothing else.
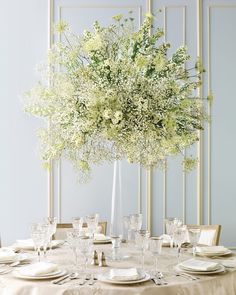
(161, 278)
(187, 276)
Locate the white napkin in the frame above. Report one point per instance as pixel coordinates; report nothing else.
(206, 237)
(124, 274)
(211, 250)
(166, 239)
(28, 244)
(99, 237)
(7, 255)
(199, 265)
(38, 269)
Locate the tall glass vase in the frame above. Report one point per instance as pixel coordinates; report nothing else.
(116, 229)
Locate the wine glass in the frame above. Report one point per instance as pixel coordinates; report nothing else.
(194, 235)
(52, 221)
(155, 246)
(170, 224)
(77, 223)
(126, 228)
(141, 241)
(38, 236)
(85, 248)
(72, 240)
(179, 237)
(135, 224)
(92, 224)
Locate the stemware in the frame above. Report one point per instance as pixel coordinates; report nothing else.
(85, 248)
(52, 221)
(155, 246)
(135, 224)
(179, 237)
(38, 236)
(72, 240)
(126, 228)
(77, 223)
(141, 241)
(194, 235)
(92, 224)
(171, 224)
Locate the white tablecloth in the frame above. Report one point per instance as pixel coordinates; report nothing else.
(221, 284)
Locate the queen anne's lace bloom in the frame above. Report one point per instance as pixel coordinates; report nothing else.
(114, 93)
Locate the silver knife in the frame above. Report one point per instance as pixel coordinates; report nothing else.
(61, 279)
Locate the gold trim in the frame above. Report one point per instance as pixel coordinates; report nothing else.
(209, 113)
(209, 106)
(59, 190)
(149, 174)
(164, 172)
(184, 172)
(139, 189)
(50, 175)
(149, 181)
(149, 199)
(200, 134)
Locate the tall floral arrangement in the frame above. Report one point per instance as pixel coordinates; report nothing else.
(115, 93)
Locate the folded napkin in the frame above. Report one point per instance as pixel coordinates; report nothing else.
(28, 244)
(7, 255)
(99, 237)
(25, 244)
(199, 265)
(211, 250)
(39, 269)
(166, 240)
(124, 274)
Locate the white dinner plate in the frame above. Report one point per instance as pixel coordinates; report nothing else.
(196, 272)
(205, 254)
(53, 275)
(55, 244)
(105, 279)
(107, 240)
(18, 257)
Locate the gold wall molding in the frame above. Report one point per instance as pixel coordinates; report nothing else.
(50, 176)
(58, 164)
(165, 8)
(200, 134)
(209, 88)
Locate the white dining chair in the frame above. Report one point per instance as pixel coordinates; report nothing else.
(62, 228)
(209, 235)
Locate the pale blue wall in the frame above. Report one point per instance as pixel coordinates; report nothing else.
(23, 187)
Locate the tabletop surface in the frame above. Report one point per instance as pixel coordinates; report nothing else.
(224, 283)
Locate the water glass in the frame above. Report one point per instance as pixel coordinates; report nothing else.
(85, 248)
(141, 241)
(135, 225)
(179, 238)
(92, 224)
(155, 246)
(52, 222)
(171, 224)
(38, 234)
(194, 235)
(77, 223)
(126, 228)
(116, 241)
(72, 240)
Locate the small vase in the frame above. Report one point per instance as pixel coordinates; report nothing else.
(116, 229)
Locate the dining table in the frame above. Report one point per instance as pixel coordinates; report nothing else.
(223, 283)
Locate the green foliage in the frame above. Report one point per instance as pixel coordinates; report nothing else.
(115, 94)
